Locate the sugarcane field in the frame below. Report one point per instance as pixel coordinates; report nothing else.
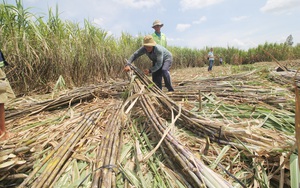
(78, 109)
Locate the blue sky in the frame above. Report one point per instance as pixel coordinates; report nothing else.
(187, 23)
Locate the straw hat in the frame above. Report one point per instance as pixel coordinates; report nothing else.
(157, 22)
(149, 41)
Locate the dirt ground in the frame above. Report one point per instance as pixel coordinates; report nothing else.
(225, 70)
(195, 73)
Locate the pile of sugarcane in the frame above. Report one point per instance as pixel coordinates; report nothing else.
(286, 77)
(235, 88)
(56, 148)
(106, 163)
(60, 156)
(65, 99)
(91, 137)
(217, 130)
(256, 139)
(195, 173)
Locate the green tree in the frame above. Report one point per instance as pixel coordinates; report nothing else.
(289, 40)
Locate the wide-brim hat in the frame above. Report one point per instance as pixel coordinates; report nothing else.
(149, 41)
(157, 22)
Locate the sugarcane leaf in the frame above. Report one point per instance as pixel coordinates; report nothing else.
(294, 170)
(3, 158)
(125, 151)
(7, 164)
(20, 162)
(75, 171)
(132, 177)
(220, 156)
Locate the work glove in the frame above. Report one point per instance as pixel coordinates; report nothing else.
(127, 68)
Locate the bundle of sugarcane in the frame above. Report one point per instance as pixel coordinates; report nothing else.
(50, 169)
(108, 152)
(19, 153)
(228, 86)
(253, 141)
(237, 97)
(240, 76)
(286, 78)
(194, 171)
(221, 131)
(74, 96)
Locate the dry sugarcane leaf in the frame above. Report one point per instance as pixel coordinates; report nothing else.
(7, 164)
(139, 153)
(20, 162)
(17, 176)
(3, 158)
(22, 150)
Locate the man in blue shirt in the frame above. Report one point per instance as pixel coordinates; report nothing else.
(161, 60)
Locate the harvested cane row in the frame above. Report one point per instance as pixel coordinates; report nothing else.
(219, 131)
(106, 163)
(77, 95)
(56, 161)
(93, 153)
(257, 139)
(43, 154)
(194, 171)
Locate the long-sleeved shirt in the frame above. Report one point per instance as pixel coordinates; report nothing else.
(158, 55)
(160, 39)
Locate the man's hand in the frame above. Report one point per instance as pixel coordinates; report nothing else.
(146, 71)
(127, 68)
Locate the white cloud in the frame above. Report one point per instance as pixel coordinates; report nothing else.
(237, 42)
(280, 6)
(239, 18)
(182, 27)
(98, 21)
(139, 3)
(174, 40)
(197, 4)
(32, 1)
(202, 19)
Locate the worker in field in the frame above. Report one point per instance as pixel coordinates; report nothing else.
(211, 59)
(6, 93)
(159, 37)
(221, 60)
(161, 62)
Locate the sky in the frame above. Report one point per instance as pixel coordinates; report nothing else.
(195, 24)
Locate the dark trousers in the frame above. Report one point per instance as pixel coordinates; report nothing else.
(163, 72)
(211, 63)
